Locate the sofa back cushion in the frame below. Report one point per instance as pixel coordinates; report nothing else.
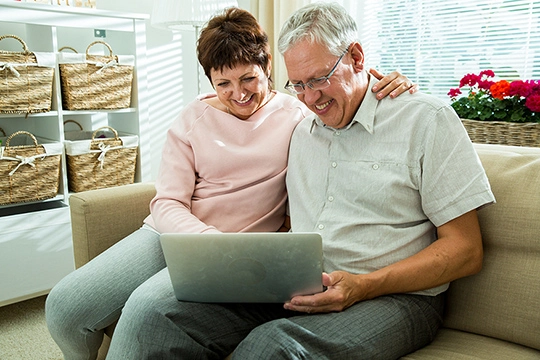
(503, 299)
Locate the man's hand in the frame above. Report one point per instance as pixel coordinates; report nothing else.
(343, 290)
(393, 84)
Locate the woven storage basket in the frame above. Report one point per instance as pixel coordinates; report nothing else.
(29, 172)
(93, 82)
(101, 162)
(79, 134)
(2, 137)
(503, 133)
(26, 80)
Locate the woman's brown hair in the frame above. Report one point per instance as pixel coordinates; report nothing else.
(230, 39)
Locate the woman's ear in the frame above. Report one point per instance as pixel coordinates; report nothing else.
(357, 54)
(269, 69)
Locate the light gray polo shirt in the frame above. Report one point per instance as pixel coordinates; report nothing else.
(377, 189)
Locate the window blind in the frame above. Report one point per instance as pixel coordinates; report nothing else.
(435, 43)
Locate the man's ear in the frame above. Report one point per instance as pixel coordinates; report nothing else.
(357, 54)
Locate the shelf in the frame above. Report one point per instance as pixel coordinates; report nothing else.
(68, 112)
(28, 207)
(44, 114)
(90, 112)
(50, 15)
(35, 237)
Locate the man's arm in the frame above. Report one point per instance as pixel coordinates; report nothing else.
(456, 253)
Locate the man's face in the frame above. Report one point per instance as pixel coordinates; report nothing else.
(336, 104)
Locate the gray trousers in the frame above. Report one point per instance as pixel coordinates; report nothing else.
(91, 298)
(130, 279)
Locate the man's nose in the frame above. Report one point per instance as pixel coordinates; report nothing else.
(310, 96)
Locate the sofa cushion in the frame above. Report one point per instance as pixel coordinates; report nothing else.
(502, 301)
(459, 345)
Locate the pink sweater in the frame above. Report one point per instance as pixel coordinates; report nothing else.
(222, 174)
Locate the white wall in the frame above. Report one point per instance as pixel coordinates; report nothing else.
(172, 64)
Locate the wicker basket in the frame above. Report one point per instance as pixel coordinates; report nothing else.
(26, 80)
(503, 133)
(79, 134)
(95, 82)
(101, 162)
(29, 172)
(2, 137)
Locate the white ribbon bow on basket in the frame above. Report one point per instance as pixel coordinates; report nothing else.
(103, 149)
(10, 67)
(23, 161)
(106, 65)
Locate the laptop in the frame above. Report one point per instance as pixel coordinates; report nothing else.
(243, 267)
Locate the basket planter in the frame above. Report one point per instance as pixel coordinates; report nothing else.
(96, 163)
(29, 172)
(503, 133)
(95, 82)
(26, 80)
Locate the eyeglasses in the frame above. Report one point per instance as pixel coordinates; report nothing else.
(314, 84)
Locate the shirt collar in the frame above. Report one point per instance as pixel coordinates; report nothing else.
(366, 112)
(365, 115)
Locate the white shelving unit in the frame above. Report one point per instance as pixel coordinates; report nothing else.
(35, 239)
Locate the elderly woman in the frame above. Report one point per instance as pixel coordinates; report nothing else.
(223, 170)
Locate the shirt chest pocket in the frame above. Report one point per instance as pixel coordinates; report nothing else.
(376, 184)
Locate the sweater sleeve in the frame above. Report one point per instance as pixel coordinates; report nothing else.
(171, 207)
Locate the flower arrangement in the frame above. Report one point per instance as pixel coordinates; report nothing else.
(515, 101)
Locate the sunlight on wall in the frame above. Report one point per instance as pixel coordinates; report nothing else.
(165, 90)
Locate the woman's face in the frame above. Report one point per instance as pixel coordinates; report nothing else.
(242, 89)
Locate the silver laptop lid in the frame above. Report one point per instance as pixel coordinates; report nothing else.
(243, 267)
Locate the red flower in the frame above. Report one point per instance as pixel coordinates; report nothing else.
(533, 103)
(500, 89)
(454, 93)
(469, 79)
(520, 88)
(487, 73)
(485, 84)
(535, 86)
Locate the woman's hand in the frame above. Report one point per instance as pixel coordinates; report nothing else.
(393, 84)
(286, 224)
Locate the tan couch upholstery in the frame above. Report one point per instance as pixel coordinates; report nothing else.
(492, 315)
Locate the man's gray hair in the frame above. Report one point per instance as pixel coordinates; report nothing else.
(327, 24)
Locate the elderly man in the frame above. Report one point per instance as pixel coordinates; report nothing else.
(392, 187)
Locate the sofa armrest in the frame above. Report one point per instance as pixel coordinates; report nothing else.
(100, 218)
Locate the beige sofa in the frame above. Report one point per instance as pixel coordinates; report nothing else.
(492, 315)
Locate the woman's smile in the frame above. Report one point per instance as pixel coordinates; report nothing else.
(245, 101)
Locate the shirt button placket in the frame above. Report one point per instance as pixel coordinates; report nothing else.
(330, 198)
